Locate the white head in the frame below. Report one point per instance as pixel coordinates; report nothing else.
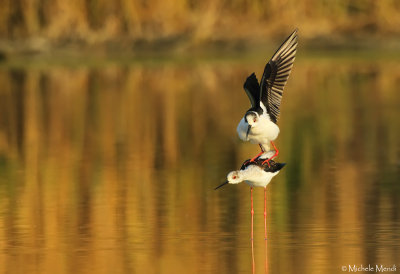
(252, 118)
(234, 177)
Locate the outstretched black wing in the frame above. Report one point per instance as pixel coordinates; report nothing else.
(275, 75)
(252, 88)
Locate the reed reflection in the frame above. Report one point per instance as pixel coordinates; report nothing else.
(112, 169)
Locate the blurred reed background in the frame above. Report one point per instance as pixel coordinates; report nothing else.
(43, 25)
(108, 163)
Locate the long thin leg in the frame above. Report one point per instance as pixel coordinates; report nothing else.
(265, 213)
(252, 239)
(273, 156)
(265, 229)
(276, 151)
(258, 155)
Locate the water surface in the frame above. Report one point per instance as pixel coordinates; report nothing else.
(110, 168)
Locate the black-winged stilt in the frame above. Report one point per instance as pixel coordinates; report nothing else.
(256, 173)
(259, 123)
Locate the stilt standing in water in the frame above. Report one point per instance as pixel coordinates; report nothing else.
(255, 173)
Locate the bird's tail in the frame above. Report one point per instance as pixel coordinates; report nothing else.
(279, 166)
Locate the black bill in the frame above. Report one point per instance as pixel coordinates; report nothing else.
(248, 131)
(221, 185)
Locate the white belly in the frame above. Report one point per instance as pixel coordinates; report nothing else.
(257, 178)
(262, 133)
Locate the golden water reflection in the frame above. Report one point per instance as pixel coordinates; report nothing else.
(111, 169)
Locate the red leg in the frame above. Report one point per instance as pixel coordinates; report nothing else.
(273, 156)
(252, 241)
(265, 229)
(258, 155)
(265, 213)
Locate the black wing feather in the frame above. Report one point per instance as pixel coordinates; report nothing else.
(271, 167)
(252, 88)
(276, 74)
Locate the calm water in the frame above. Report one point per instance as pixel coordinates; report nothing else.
(110, 168)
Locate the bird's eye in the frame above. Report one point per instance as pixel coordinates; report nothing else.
(254, 120)
(234, 177)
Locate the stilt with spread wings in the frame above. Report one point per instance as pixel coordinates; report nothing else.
(259, 124)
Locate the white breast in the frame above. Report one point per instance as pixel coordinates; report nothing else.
(256, 176)
(242, 129)
(262, 133)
